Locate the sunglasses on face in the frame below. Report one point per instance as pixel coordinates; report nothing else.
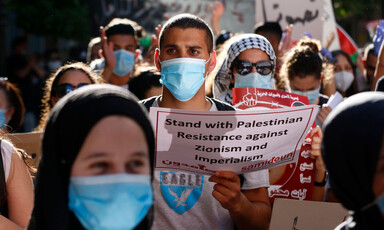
(63, 89)
(245, 67)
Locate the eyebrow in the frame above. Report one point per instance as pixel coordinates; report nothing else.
(176, 46)
(100, 154)
(195, 47)
(128, 45)
(95, 155)
(170, 46)
(140, 154)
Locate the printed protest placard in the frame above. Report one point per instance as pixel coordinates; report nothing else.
(240, 141)
(294, 180)
(247, 98)
(239, 16)
(29, 142)
(329, 27)
(314, 215)
(306, 16)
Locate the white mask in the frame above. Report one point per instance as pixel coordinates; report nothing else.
(343, 80)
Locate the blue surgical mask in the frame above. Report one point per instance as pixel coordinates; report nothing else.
(124, 62)
(3, 122)
(116, 201)
(183, 77)
(312, 94)
(253, 80)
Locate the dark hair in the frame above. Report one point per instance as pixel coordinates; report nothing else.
(349, 59)
(380, 84)
(51, 83)
(145, 78)
(303, 60)
(223, 37)
(13, 97)
(272, 28)
(185, 21)
(120, 26)
(370, 49)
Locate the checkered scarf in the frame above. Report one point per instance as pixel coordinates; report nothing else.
(238, 45)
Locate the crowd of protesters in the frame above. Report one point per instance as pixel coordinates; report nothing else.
(98, 147)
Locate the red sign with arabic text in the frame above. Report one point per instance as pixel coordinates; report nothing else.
(292, 181)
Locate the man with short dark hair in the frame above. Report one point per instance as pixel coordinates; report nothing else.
(185, 57)
(119, 43)
(370, 65)
(271, 31)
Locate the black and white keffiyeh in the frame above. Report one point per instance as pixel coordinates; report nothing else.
(239, 44)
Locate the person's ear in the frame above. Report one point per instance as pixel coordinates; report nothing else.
(101, 53)
(156, 59)
(212, 63)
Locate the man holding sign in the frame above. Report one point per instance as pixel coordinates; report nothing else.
(186, 200)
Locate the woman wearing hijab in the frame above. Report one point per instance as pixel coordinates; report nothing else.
(353, 135)
(97, 161)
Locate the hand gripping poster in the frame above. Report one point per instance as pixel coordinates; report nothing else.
(294, 180)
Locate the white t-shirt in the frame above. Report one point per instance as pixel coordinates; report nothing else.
(156, 104)
(6, 150)
(184, 200)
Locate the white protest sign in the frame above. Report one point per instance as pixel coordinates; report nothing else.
(335, 100)
(305, 15)
(329, 27)
(314, 215)
(239, 141)
(238, 15)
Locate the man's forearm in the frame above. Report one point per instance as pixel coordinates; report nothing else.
(251, 215)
